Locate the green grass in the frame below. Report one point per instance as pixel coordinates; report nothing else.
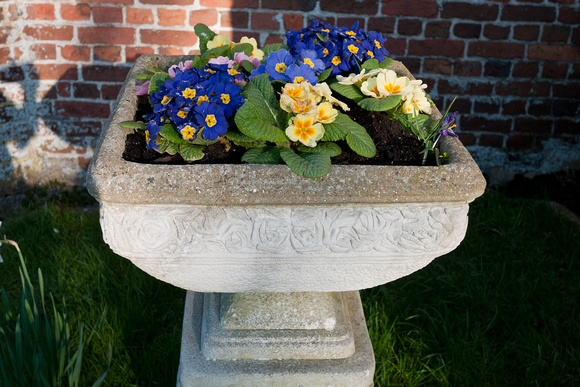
(500, 310)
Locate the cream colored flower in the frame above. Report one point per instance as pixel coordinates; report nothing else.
(326, 113)
(298, 98)
(356, 78)
(323, 90)
(304, 128)
(219, 40)
(416, 102)
(369, 87)
(389, 84)
(256, 53)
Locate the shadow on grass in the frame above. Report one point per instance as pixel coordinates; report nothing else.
(500, 310)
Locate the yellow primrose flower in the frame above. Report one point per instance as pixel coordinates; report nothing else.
(256, 53)
(298, 98)
(416, 102)
(370, 88)
(389, 84)
(219, 40)
(356, 78)
(326, 113)
(323, 90)
(305, 130)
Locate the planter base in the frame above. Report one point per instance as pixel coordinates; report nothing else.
(195, 369)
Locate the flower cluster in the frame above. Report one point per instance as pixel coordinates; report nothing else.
(283, 66)
(340, 48)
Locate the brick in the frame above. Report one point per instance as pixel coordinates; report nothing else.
(273, 39)
(170, 51)
(576, 36)
(523, 89)
(110, 92)
(525, 69)
(564, 53)
(168, 37)
(569, 15)
(293, 21)
(526, 32)
(420, 8)
(500, 50)
(264, 21)
(437, 29)
(466, 139)
(555, 70)
(499, 69)
(467, 69)
(107, 53)
(469, 11)
(55, 71)
(565, 107)
(75, 12)
(104, 73)
(167, 2)
(514, 108)
(82, 109)
(126, 2)
(171, 17)
(570, 89)
(40, 11)
(235, 19)
(139, 16)
(49, 33)
(132, 53)
(103, 15)
(437, 47)
(367, 7)
(468, 88)
(410, 27)
(533, 125)
(64, 89)
(477, 123)
(520, 142)
(5, 55)
(289, 5)
(206, 16)
(44, 51)
(566, 126)
(467, 30)
(491, 140)
(540, 108)
(385, 25)
(528, 13)
(4, 36)
(437, 66)
(86, 90)
(553, 33)
(495, 32)
(76, 53)
(486, 107)
(242, 4)
(106, 35)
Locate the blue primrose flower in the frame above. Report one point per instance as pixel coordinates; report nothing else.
(310, 57)
(276, 64)
(151, 132)
(303, 72)
(211, 117)
(228, 97)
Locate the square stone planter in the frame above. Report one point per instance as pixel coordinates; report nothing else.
(305, 246)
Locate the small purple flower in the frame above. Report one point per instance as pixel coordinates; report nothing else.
(447, 125)
(181, 66)
(239, 57)
(220, 60)
(143, 89)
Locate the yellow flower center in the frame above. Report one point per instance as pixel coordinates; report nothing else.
(304, 129)
(298, 79)
(210, 120)
(165, 100)
(336, 60)
(352, 48)
(309, 62)
(370, 54)
(325, 51)
(188, 93)
(233, 72)
(351, 33)
(187, 132)
(377, 44)
(182, 114)
(393, 89)
(202, 98)
(210, 70)
(225, 98)
(147, 138)
(281, 67)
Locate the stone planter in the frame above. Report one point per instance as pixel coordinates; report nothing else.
(272, 261)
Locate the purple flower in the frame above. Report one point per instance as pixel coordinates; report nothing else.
(143, 89)
(447, 125)
(220, 60)
(181, 66)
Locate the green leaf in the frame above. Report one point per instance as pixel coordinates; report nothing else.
(197, 62)
(134, 125)
(166, 146)
(252, 122)
(325, 148)
(214, 53)
(336, 131)
(246, 48)
(371, 64)
(269, 48)
(261, 93)
(262, 155)
(241, 139)
(204, 34)
(310, 165)
(386, 63)
(248, 66)
(349, 91)
(324, 75)
(155, 70)
(156, 81)
(356, 136)
(143, 76)
(169, 131)
(380, 104)
(191, 152)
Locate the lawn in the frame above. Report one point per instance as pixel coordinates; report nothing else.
(502, 309)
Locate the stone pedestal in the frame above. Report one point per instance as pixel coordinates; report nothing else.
(275, 339)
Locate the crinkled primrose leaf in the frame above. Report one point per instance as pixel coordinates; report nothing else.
(310, 165)
(262, 155)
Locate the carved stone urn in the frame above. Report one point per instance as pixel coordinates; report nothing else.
(273, 262)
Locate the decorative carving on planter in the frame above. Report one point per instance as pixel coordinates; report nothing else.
(206, 231)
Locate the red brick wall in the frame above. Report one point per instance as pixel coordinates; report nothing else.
(512, 64)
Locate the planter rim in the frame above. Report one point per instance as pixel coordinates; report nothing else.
(115, 180)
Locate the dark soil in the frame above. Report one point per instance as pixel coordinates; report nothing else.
(395, 146)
